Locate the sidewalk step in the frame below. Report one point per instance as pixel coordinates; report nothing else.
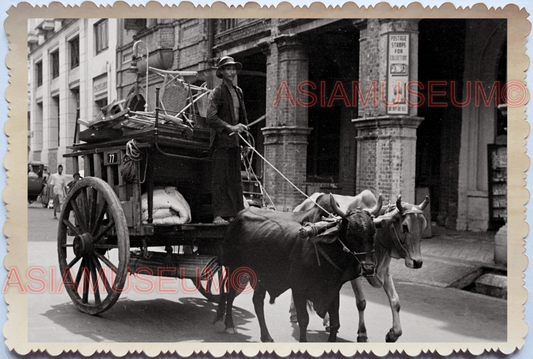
(494, 285)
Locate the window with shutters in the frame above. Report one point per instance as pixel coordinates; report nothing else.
(74, 45)
(54, 59)
(39, 73)
(101, 35)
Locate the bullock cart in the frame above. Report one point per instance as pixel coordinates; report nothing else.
(109, 227)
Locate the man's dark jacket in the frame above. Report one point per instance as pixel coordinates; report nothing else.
(220, 115)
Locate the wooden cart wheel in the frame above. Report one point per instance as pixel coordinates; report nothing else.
(91, 224)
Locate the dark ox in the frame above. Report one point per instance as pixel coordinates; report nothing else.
(399, 230)
(269, 244)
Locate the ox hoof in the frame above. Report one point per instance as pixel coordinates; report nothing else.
(231, 331)
(391, 337)
(362, 339)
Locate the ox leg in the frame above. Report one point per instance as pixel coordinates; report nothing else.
(396, 331)
(259, 307)
(334, 321)
(221, 309)
(300, 303)
(360, 301)
(230, 326)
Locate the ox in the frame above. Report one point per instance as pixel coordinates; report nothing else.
(269, 244)
(399, 229)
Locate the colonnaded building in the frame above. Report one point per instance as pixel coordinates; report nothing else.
(319, 88)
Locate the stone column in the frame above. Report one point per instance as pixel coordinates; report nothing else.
(286, 128)
(385, 140)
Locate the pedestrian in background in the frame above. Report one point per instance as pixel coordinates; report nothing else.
(58, 182)
(31, 174)
(226, 115)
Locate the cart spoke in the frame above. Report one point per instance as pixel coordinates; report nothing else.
(73, 227)
(103, 231)
(81, 270)
(67, 279)
(82, 202)
(74, 261)
(92, 205)
(106, 261)
(94, 277)
(98, 221)
(86, 286)
(78, 213)
(102, 274)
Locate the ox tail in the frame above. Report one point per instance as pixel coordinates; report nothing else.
(272, 300)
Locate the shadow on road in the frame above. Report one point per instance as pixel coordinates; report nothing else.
(315, 335)
(159, 320)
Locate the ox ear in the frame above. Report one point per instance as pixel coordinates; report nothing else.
(377, 222)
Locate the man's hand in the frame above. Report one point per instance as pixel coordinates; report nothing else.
(238, 128)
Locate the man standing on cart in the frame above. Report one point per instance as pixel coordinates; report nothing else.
(226, 115)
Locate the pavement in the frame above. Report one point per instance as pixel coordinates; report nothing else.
(453, 259)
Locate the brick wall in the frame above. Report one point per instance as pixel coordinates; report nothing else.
(286, 149)
(369, 59)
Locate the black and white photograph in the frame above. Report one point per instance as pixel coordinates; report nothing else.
(288, 179)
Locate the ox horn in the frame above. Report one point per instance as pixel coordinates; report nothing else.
(424, 204)
(374, 211)
(399, 204)
(335, 206)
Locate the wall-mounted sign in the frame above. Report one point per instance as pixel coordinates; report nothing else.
(397, 73)
(100, 85)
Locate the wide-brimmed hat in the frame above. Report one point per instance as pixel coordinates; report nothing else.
(225, 61)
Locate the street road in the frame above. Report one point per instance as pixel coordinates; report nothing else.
(428, 314)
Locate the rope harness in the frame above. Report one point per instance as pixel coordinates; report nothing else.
(315, 229)
(396, 236)
(318, 249)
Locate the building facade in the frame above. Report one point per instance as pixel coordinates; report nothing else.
(392, 105)
(72, 71)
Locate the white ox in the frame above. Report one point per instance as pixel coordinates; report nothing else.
(399, 230)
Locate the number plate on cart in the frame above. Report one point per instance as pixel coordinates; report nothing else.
(111, 158)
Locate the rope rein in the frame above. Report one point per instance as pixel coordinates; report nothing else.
(282, 175)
